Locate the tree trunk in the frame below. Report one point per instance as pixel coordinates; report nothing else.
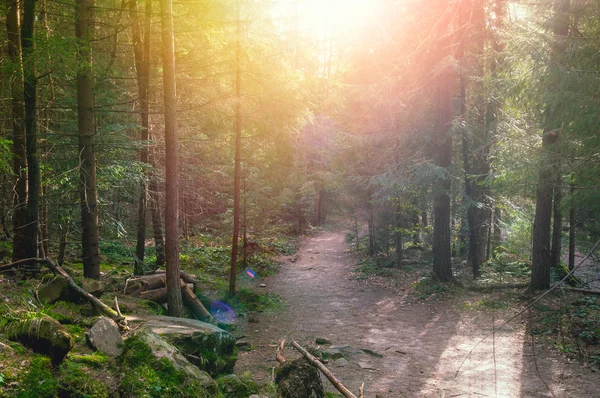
(238, 153)
(556, 216)
(30, 97)
(442, 265)
(157, 232)
(62, 246)
(572, 226)
(141, 49)
(497, 234)
(540, 264)
(87, 139)
(174, 299)
(18, 135)
(540, 260)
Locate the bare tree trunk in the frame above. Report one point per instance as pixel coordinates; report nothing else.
(497, 234)
(572, 226)
(442, 264)
(540, 264)
(157, 232)
(30, 98)
(174, 298)
(87, 139)
(556, 216)
(18, 136)
(238, 154)
(141, 49)
(62, 245)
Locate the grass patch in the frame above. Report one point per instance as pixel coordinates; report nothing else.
(248, 300)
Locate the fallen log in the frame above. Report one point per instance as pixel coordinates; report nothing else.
(187, 278)
(192, 302)
(57, 269)
(330, 376)
(157, 295)
(147, 282)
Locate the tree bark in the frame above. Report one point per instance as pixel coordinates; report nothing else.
(556, 216)
(18, 131)
(174, 301)
(157, 232)
(572, 226)
(237, 167)
(442, 265)
(142, 66)
(540, 264)
(31, 144)
(540, 260)
(87, 139)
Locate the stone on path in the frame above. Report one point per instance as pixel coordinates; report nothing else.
(341, 362)
(322, 341)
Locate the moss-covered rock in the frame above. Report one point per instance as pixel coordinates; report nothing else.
(153, 367)
(206, 346)
(234, 387)
(42, 334)
(54, 290)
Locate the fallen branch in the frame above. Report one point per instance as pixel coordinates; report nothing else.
(315, 362)
(279, 355)
(57, 269)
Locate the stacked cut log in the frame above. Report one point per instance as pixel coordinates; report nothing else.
(153, 287)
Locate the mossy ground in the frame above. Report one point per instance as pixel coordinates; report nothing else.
(85, 373)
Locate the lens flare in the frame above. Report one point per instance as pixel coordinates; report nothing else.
(222, 312)
(250, 273)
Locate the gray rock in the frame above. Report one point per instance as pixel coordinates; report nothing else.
(93, 286)
(206, 346)
(366, 365)
(53, 290)
(104, 336)
(160, 349)
(332, 353)
(257, 396)
(341, 362)
(322, 341)
(339, 347)
(373, 353)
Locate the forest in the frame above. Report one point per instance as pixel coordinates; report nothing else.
(200, 180)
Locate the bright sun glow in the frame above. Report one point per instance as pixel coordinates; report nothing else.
(337, 15)
(332, 17)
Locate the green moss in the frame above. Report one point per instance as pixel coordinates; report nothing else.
(39, 382)
(74, 381)
(144, 375)
(155, 308)
(96, 359)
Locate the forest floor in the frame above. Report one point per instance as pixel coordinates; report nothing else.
(421, 347)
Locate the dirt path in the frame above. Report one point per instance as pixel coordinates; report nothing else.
(423, 344)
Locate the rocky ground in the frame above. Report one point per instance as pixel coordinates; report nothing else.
(398, 344)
